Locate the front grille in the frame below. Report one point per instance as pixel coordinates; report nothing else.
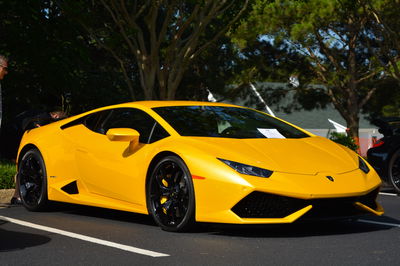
(264, 205)
(336, 207)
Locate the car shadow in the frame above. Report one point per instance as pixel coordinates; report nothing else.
(296, 229)
(14, 240)
(307, 229)
(103, 213)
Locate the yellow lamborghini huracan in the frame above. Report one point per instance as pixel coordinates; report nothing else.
(183, 162)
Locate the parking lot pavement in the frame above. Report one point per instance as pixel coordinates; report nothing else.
(82, 235)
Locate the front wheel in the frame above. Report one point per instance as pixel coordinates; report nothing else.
(394, 171)
(170, 195)
(32, 181)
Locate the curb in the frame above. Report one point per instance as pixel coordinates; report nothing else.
(5, 197)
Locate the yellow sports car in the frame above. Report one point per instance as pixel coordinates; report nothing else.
(185, 162)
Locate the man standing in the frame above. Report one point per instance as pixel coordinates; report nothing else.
(3, 72)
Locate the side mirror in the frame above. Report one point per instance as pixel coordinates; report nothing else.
(123, 134)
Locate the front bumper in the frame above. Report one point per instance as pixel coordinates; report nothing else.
(275, 207)
(285, 198)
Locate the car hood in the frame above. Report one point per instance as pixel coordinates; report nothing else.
(310, 155)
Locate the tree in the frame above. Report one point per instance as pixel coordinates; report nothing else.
(335, 36)
(386, 100)
(163, 37)
(52, 63)
(272, 63)
(386, 27)
(212, 71)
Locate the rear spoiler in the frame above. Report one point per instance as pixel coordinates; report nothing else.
(385, 125)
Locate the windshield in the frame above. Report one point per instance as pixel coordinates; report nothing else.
(227, 122)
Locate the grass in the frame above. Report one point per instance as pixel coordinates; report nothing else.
(7, 173)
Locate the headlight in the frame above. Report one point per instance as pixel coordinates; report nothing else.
(362, 165)
(247, 169)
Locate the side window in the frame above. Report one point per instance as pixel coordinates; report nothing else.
(94, 121)
(131, 118)
(158, 133)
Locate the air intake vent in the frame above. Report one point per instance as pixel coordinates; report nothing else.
(264, 205)
(71, 188)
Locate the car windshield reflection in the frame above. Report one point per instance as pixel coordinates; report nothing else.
(226, 122)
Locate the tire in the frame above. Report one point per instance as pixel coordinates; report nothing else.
(170, 195)
(32, 181)
(394, 171)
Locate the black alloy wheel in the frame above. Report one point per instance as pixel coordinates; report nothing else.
(32, 181)
(170, 195)
(394, 171)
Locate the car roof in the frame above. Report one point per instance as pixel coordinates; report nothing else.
(146, 105)
(153, 104)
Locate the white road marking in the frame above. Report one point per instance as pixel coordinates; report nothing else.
(388, 194)
(380, 223)
(85, 238)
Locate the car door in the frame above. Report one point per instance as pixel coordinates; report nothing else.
(111, 168)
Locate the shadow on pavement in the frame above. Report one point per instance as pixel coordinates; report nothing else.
(103, 213)
(307, 229)
(13, 240)
(297, 229)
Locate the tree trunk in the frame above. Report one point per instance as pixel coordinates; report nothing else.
(148, 75)
(353, 129)
(164, 36)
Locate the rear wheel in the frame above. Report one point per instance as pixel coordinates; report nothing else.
(32, 181)
(394, 171)
(170, 195)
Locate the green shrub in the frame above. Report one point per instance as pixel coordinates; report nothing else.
(7, 173)
(343, 139)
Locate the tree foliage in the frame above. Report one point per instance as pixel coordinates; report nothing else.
(268, 65)
(386, 29)
(344, 140)
(162, 38)
(52, 64)
(82, 54)
(386, 100)
(338, 38)
(212, 71)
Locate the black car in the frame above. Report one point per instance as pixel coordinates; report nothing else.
(384, 156)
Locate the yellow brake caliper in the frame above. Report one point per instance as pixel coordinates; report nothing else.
(163, 199)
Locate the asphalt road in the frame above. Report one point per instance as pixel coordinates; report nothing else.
(77, 235)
